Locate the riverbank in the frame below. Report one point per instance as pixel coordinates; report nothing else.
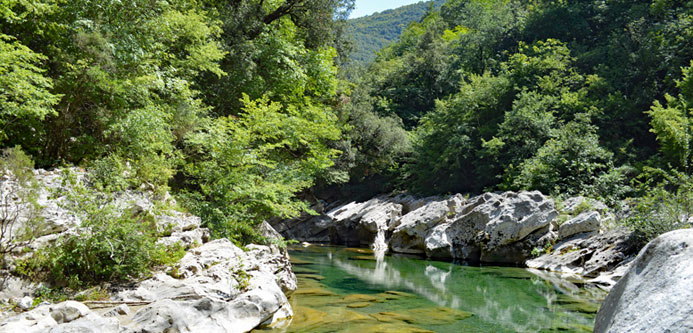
(208, 286)
(578, 236)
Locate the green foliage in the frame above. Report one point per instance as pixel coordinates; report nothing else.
(510, 126)
(539, 251)
(280, 49)
(242, 277)
(411, 74)
(248, 168)
(584, 206)
(110, 246)
(447, 138)
(666, 205)
(544, 64)
(671, 124)
(567, 164)
(25, 90)
(371, 143)
(123, 72)
(372, 33)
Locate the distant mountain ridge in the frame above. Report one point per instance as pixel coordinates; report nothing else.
(371, 33)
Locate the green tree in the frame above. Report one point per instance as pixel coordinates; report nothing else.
(107, 59)
(25, 91)
(246, 169)
(671, 123)
(570, 163)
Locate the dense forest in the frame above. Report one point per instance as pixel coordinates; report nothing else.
(239, 108)
(371, 33)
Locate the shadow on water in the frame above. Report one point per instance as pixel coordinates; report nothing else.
(348, 290)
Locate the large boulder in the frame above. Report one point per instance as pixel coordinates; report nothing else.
(655, 295)
(357, 223)
(495, 228)
(513, 216)
(409, 234)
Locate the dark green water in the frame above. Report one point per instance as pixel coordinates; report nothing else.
(346, 290)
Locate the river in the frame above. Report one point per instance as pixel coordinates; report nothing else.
(348, 290)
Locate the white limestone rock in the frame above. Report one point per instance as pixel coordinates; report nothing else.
(585, 222)
(413, 228)
(655, 295)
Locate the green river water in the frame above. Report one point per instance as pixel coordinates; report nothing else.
(347, 290)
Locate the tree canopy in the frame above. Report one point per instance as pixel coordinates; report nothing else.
(241, 107)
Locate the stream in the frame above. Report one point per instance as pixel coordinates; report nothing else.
(348, 290)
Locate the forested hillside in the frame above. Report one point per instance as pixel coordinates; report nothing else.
(238, 108)
(569, 98)
(371, 33)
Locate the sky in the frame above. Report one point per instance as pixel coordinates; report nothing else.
(367, 7)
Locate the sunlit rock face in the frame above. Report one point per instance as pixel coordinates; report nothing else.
(655, 294)
(493, 227)
(604, 258)
(516, 228)
(501, 227)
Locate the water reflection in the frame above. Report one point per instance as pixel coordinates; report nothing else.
(501, 299)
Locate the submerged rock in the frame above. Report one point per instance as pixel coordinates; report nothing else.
(655, 294)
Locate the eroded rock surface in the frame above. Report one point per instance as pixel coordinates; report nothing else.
(510, 228)
(655, 294)
(486, 228)
(69, 316)
(218, 288)
(585, 222)
(603, 257)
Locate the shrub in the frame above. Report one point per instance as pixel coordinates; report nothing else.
(246, 169)
(571, 162)
(111, 245)
(665, 207)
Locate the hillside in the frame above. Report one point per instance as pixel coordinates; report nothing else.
(371, 33)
